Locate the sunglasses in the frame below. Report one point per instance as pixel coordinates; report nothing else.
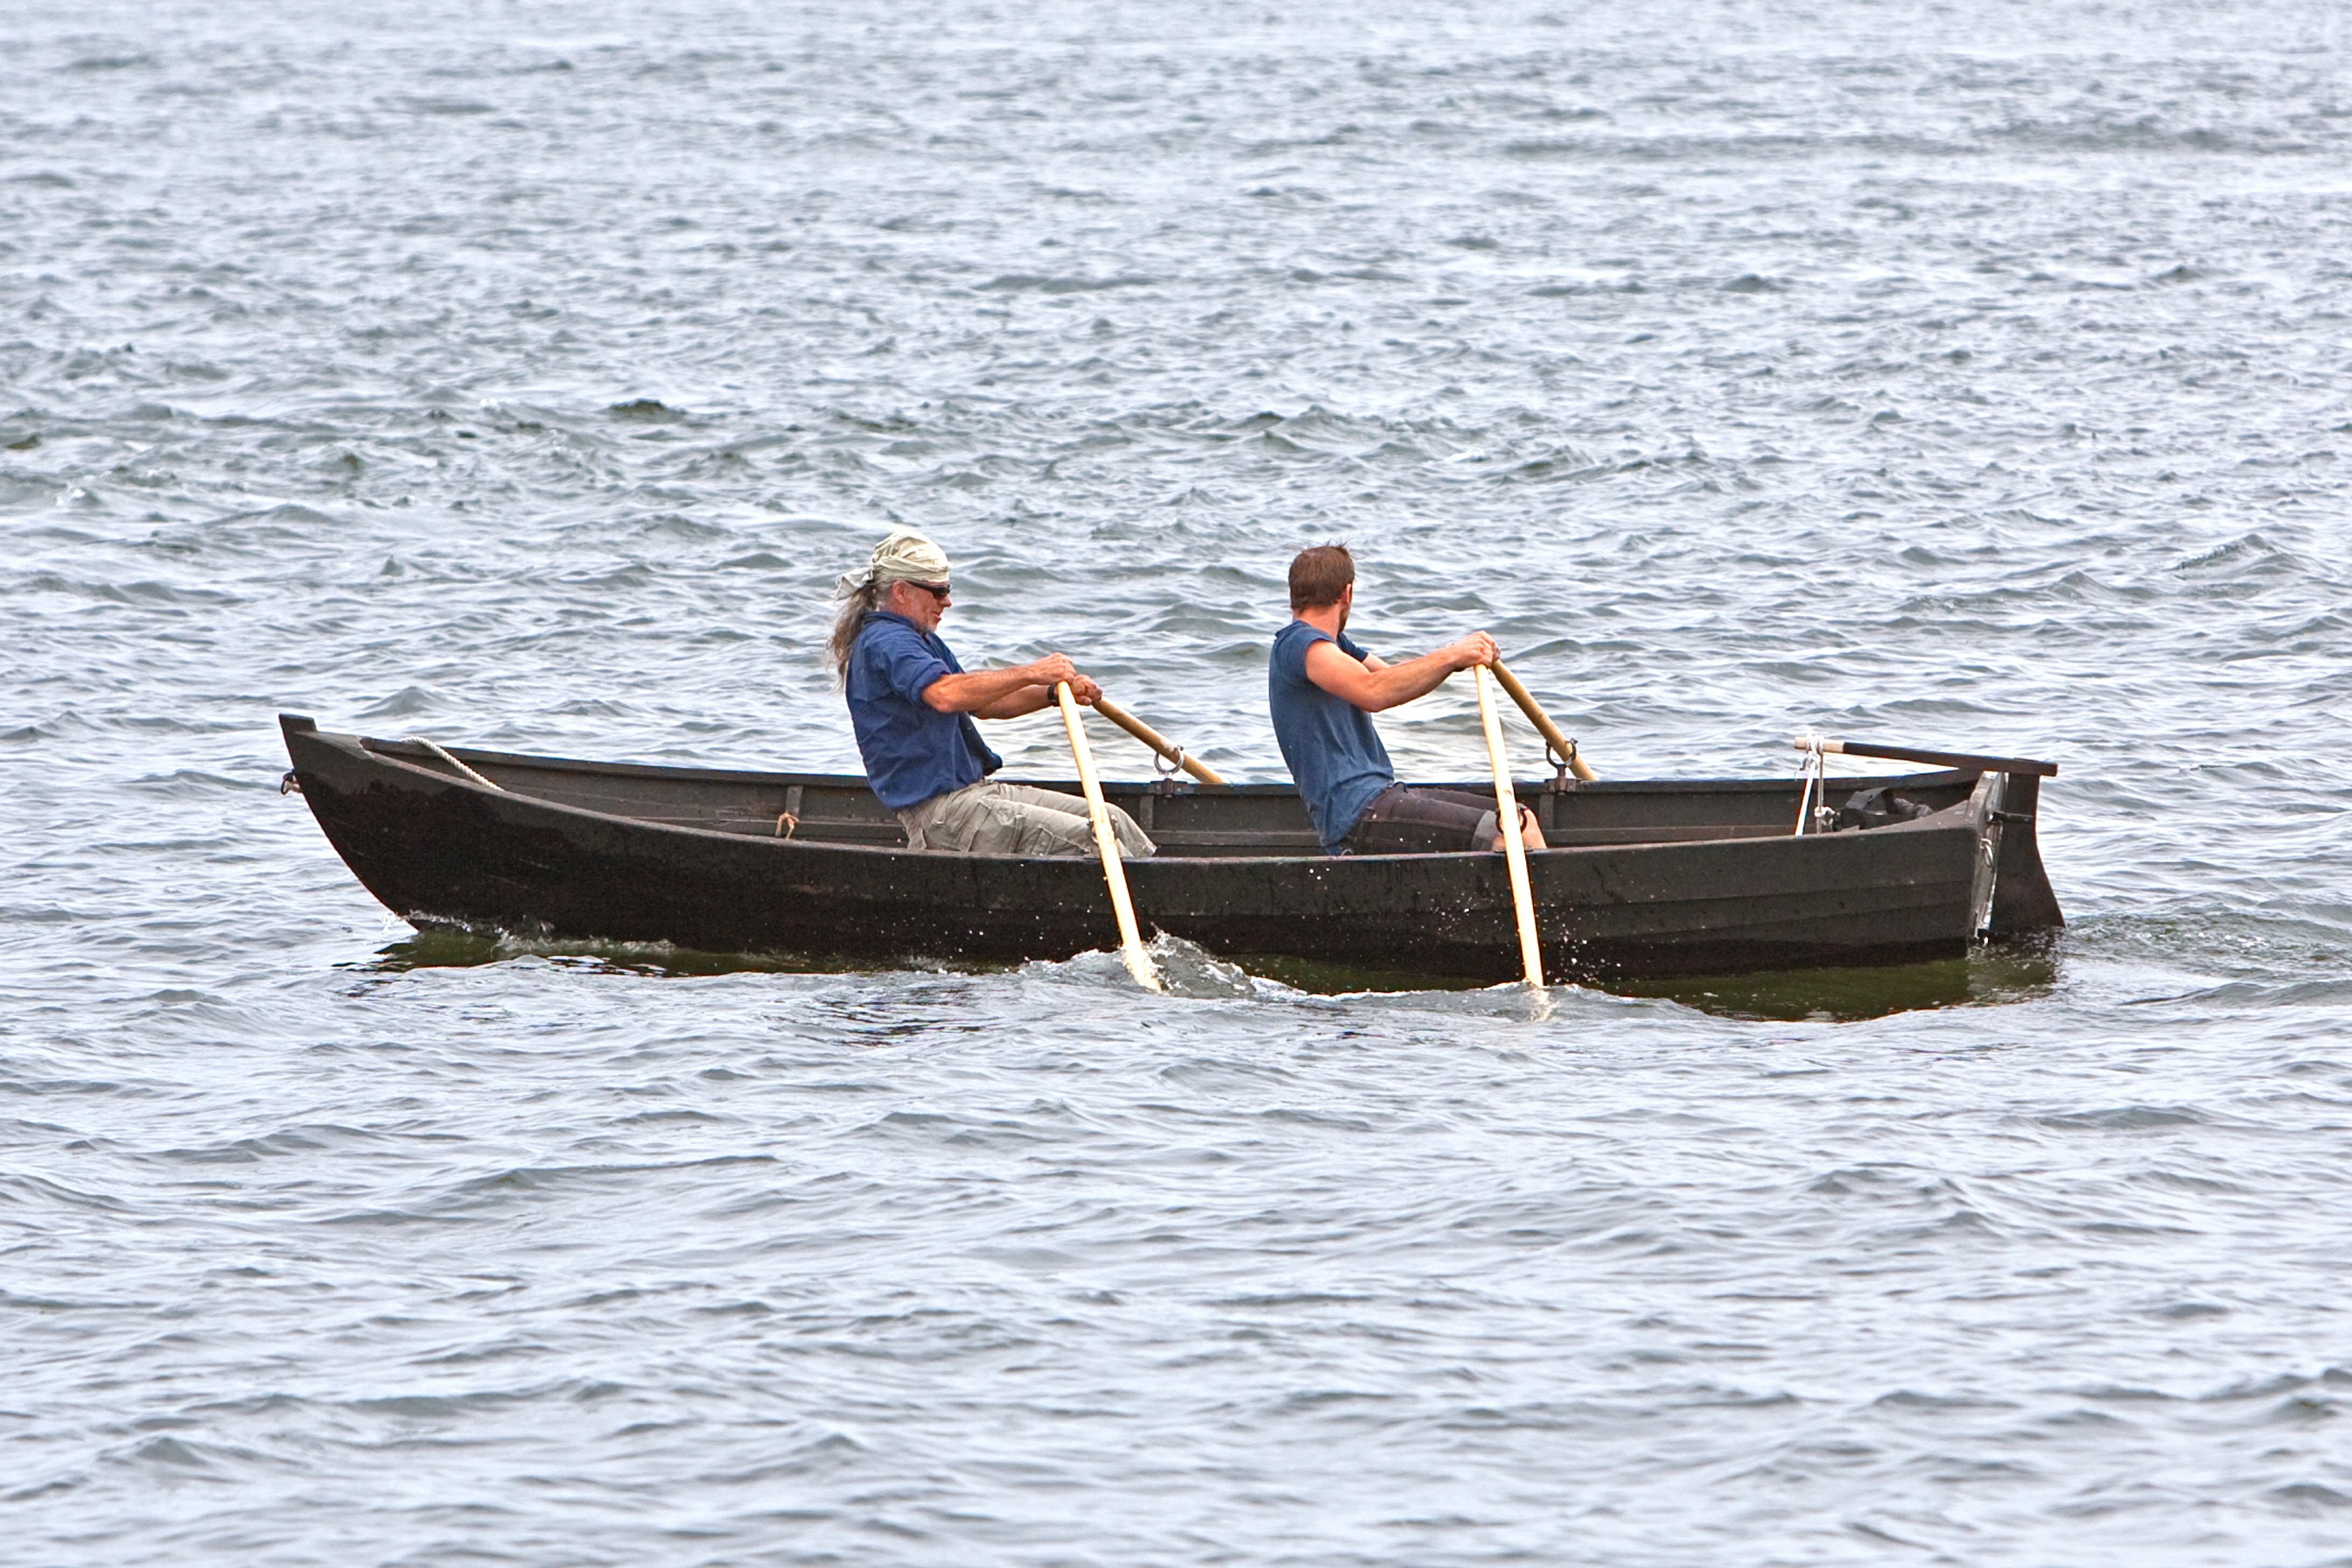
(936, 590)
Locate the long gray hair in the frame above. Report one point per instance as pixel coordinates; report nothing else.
(867, 598)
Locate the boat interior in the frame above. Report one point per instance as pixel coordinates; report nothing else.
(1185, 818)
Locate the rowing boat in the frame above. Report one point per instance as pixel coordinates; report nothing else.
(1639, 879)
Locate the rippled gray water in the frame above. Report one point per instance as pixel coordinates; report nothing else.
(1974, 376)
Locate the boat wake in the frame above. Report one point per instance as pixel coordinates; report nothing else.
(1186, 969)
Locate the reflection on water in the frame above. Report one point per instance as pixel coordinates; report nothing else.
(441, 948)
(1990, 976)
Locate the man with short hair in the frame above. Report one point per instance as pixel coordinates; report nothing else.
(912, 706)
(1322, 689)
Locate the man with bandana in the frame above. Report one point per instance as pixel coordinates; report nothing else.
(912, 706)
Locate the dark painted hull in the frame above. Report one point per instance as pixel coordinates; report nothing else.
(1651, 878)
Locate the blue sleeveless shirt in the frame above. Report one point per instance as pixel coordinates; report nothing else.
(1335, 756)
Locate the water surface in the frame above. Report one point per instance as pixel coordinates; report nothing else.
(522, 376)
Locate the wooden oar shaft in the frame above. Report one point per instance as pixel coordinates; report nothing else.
(1507, 819)
(1130, 942)
(1560, 744)
(1935, 759)
(1155, 739)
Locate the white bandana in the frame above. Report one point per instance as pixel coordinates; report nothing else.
(904, 557)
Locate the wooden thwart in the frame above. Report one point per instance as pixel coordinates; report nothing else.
(1130, 942)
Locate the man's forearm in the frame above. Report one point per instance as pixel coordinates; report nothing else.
(1401, 683)
(984, 693)
(1028, 700)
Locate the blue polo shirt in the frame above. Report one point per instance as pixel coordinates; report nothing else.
(1334, 753)
(912, 750)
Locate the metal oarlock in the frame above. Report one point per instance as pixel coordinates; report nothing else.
(1560, 783)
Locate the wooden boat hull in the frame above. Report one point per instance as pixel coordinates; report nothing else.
(1651, 878)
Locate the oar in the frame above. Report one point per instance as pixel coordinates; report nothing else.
(1506, 818)
(1560, 744)
(1130, 944)
(1155, 739)
(1913, 754)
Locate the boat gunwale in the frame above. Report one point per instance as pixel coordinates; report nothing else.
(397, 750)
(371, 750)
